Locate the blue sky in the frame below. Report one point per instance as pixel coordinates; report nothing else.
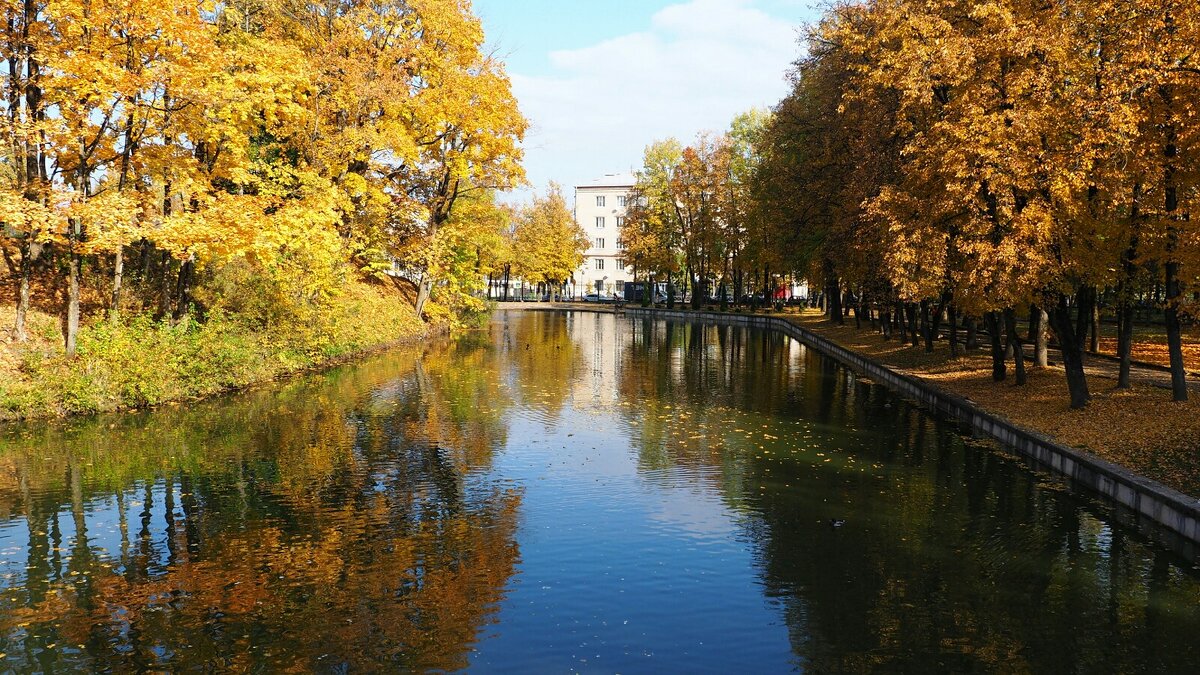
(599, 80)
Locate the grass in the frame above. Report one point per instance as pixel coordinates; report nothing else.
(139, 362)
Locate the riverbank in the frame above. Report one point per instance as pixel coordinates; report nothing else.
(139, 363)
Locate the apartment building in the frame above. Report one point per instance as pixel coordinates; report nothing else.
(600, 211)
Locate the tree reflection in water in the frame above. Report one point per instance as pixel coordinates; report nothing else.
(343, 521)
(678, 486)
(955, 558)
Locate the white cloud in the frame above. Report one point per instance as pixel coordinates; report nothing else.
(698, 64)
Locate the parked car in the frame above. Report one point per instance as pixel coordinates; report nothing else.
(592, 297)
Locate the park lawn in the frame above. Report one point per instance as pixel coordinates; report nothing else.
(1141, 429)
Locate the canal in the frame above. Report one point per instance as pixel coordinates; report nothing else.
(567, 492)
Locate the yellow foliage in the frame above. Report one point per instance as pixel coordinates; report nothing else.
(305, 140)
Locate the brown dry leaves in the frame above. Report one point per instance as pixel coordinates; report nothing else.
(1155, 351)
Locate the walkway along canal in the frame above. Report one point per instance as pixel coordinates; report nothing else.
(569, 490)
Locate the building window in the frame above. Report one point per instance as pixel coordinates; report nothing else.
(599, 263)
(620, 286)
(599, 221)
(620, 245)
(600, 242)
(622, 200)
(620, 221)
(600, 200)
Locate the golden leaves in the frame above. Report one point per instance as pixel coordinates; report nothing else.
(272, 131)
(991, 148)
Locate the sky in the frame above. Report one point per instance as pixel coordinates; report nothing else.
(599, 80)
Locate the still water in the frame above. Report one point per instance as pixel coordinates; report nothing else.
(567, 492)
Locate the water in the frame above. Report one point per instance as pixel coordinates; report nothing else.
(567, 492)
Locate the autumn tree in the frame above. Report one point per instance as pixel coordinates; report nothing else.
(649, 234)
(263, 148)
(550, 244)
(748, 231)
(991, 158)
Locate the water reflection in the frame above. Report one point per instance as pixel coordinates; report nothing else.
(953, 557)
(567, 491)
(343, 521)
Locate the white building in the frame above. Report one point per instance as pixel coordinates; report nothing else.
(600, 211)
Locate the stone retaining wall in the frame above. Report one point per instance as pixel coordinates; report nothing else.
(1144, 498)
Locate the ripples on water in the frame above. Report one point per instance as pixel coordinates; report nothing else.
(566, 492)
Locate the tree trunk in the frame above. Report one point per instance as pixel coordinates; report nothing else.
(1179, 387)
(1015, 344)
(1072, 353)
(1124, 342)
(1094, 343)
(913, 327)
(114, 308)
(1037, 335)
(999, 371)
(73, 273)
(972, 334)
(424, 290)
(834, 294)
(29, 253)
(953, 316)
